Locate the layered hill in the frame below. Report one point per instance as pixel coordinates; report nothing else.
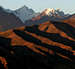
(49, 38)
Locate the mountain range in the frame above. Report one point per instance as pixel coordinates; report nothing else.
(31, 40)
(11, 19)
(24, 13)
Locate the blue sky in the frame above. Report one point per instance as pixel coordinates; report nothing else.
(39, 5)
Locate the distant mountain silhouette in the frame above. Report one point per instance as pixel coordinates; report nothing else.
(24, 13)
(43, 18)
(8, 20)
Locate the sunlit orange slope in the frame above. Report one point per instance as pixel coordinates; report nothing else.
(51, 37)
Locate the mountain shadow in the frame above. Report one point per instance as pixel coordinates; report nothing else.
(20, 57)
(68, 29)
(23, 57)
(51, 36)
(36, 41)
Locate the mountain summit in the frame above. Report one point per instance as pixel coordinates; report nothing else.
(53, 12)
(49, 14)
(24, 13)
(48, 11)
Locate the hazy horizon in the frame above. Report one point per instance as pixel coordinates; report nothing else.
(39, 5)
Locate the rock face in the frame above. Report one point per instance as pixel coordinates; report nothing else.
(50, 45)
(8, 21)
(24, 13)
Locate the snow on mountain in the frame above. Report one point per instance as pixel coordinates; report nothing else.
(24, 13)
(53, 12)
(48, 11)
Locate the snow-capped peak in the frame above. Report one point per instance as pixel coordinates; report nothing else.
(53, 12)
(48, 10)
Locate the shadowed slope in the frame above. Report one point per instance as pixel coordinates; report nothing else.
(8, 21)
(66, 28)
(53, 41)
